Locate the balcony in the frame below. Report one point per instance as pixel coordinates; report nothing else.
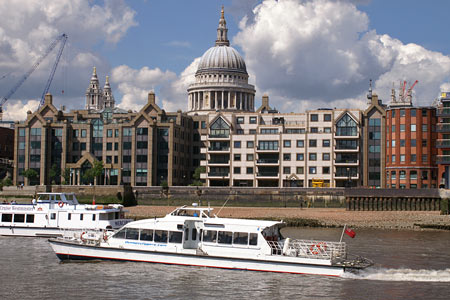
(349, 149)
(443, 144)
(218, 162)
(218, 149)
(268, 161)
(346, 162)
(267, 174)
(263, 149)
(443, 127)
(219, 136)
(443, 112)
(219, 174)
(443, 159)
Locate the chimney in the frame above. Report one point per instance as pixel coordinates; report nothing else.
(48, 98)
(151, 97)
(265, 100)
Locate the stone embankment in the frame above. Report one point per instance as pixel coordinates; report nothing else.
(322, 217)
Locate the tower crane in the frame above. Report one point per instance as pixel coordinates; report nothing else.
(62, 38)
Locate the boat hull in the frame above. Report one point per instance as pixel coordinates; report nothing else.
(73, 251)
(30, 231)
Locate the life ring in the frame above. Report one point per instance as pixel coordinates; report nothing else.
(320, 247)
(60, 204)
(81, 237)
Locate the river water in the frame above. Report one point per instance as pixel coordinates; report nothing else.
(409, 265)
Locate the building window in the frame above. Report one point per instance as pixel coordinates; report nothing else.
(393, 143)
(424, 175)
(82, 146)
(286, 156)
(108, 146)
(300, 157)
(116, 132)
(325, 156)
(424, 128)
(252, 131)
(239, 131)
(326, 143)
(402, 127)
(237, 144)
(424, 157)
(402, 112)
(195, 124)
(413, 143)
(142, 131)
(35, 131)
(402, 175)
(393, 158)
(312, 143)
(346, 126)
(126, 132)
(393, 175)
(393, 113)
(237, 157)
(325, 170)
(21, 131)
(237, 170)
(286, 170)
(413, 157)
(249, 157)
(424, 143)
(83, 133)
(203, 124)
(312, 170)
(240, 120)
(402, 157)
(413, 112)
(327, 117)
(413, 127)
(300, 143)
(402, 143)
(287, 143)
(219, 129)
(314, 117)
(75, 133)
(393, 129)
(109, 133)
(250, 144)
(300, 170)
(327, 129)
(249, 170)
(314, 130)
(413, 175)
(424, 113)
(252, 120)
(312, 156)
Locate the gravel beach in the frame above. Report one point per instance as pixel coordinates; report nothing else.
(326, 217)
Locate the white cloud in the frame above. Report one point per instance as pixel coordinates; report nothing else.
(27, 27)
(17, 110)
(320, 53)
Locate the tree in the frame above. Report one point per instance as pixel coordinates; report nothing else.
(197, 173)
(66, 175)
(31, 174)
(55, 174)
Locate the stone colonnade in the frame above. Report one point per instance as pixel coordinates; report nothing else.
(221, 100)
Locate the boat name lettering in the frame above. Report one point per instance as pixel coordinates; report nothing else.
(120, 223)
(144, 244)
(10, 207)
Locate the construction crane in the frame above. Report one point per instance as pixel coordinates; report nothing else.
(62, 38)
(404, 94)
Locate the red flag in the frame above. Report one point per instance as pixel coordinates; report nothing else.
(350, 232)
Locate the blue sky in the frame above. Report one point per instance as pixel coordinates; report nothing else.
(304, 54)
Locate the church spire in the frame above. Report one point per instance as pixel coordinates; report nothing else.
(222, 31)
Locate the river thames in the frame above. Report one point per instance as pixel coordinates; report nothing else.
(408, 265)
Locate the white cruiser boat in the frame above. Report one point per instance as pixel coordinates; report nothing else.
(51, 213)
(191, 236)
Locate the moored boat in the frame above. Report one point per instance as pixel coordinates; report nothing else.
(52, 213)
(192, 236)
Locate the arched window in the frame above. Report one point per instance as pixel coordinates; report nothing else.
(346, 126)
(219, 129)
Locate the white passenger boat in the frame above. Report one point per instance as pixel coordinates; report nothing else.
(51, 213)
(192, 236)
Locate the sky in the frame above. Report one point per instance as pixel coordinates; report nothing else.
(304, 54)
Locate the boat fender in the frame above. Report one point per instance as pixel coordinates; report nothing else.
(60, 204)
(286, 246)
(82, 238)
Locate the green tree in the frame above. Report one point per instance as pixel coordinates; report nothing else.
(7, 181)
(93, 174)
(66, 175)
(31, 174)
(197, 173)
(55, 174)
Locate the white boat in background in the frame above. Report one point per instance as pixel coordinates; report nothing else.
(51, 213)
(191, 236)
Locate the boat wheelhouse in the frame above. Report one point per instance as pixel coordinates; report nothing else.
(52, 212)
(192, 236)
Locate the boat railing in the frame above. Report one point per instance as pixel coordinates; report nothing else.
(309, 249)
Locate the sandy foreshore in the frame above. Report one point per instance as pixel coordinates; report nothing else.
(326, 217)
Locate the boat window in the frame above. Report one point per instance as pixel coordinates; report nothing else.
(253, 239)
(6, 217)
(57, 197)
(186, 234)
(175, 237)
(146, 234)
(69, 197)
(132, 234)
(44, 198)
(240, 238)
(30, 218)
(53, 216)
(161, 236)
(81, 217)
(93, 217)
(69, 216)
(225, 237)
(210, 236)
(194, 234)
(19, 218)
(120, 234)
